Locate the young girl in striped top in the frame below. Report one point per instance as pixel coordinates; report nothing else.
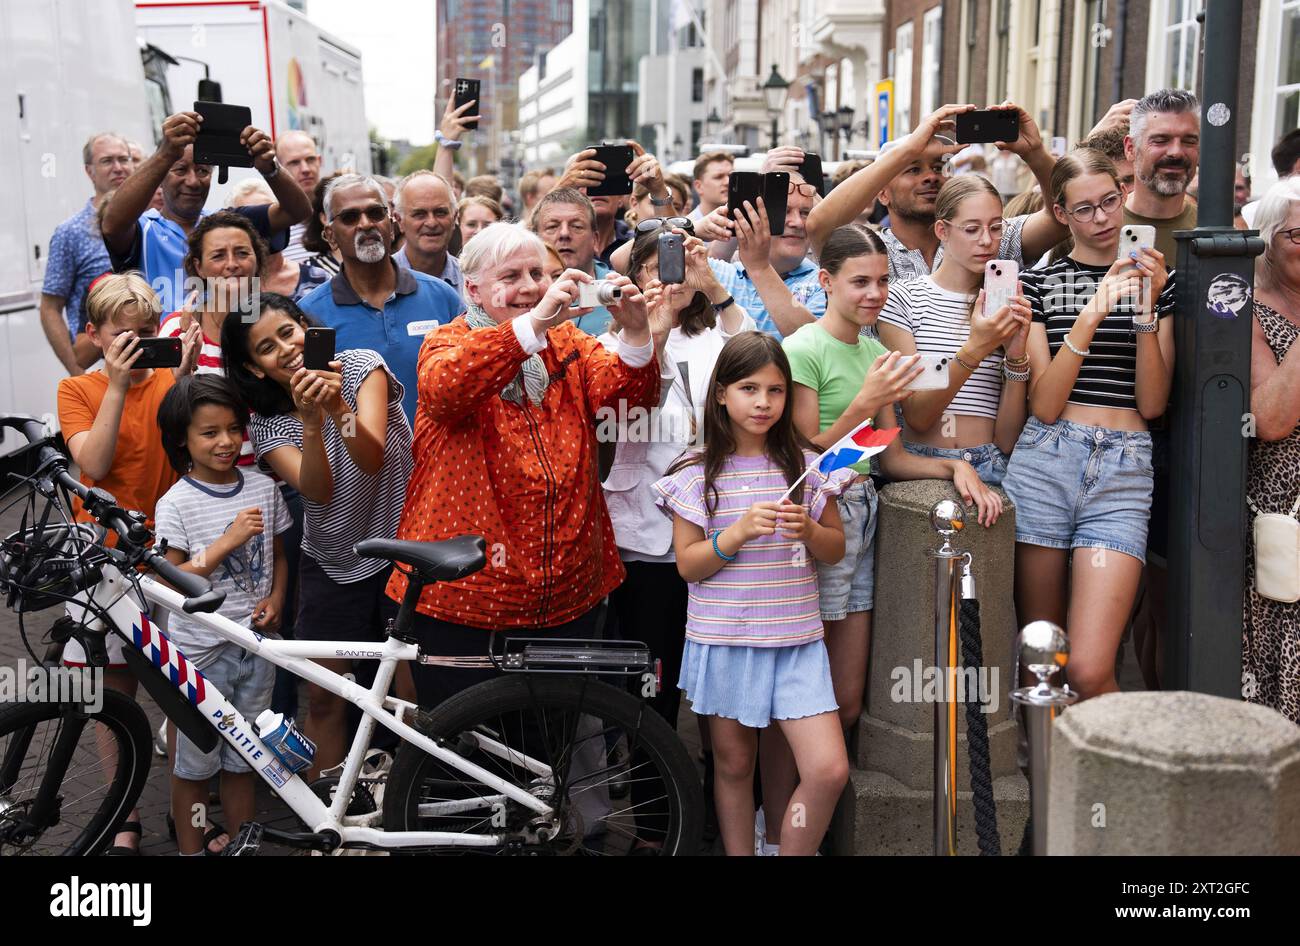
(754, 650)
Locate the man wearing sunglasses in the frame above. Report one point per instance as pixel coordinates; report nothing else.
(154, 241)
(373, 302)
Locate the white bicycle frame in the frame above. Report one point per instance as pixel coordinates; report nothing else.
(126, 611)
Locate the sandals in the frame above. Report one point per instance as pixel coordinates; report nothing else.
(121, 850)
(213, 832)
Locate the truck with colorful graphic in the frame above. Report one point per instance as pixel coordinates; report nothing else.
(272, 58)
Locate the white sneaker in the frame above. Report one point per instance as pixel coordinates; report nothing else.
(760, 832)
(160, 740)
(768, 850)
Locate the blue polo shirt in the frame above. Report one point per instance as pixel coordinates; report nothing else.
(159, 245)
(419, 304)
(77, 257)
(801, 281)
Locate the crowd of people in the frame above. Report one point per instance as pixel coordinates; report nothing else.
(472, 382)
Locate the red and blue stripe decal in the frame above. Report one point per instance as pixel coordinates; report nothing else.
(153, 643)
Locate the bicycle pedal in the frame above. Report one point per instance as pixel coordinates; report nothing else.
(247, 842)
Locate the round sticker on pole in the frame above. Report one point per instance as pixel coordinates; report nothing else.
(1227, 296)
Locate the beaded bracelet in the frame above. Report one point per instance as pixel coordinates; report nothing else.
(1146, 327)
(1011, 375)
(1070, 345)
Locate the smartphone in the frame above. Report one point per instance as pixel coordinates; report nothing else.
(773, 187)
(159, 353)
(1135, 237)
(988, 124)
(318, 348)
(1000, 276)
(672, 258)
(811, 171)
(743, 186)
(934, 377)
(466, 90)
(776, 189)
(616, 157)
(218, 139)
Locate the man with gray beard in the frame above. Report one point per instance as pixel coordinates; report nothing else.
(1164, 144)
(374, 303)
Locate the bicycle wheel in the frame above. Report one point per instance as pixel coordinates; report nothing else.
(95, 765)
(615, 773)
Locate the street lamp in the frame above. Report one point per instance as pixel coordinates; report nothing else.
(677, 148)
(774, 92)
(846, 120)
(713, 122)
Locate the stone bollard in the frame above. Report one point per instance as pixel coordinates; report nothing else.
(1174, 773)
(888, 807)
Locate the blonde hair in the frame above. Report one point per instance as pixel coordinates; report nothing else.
(1271, 216)
(244, 190)
(113, 293)
(957, 189)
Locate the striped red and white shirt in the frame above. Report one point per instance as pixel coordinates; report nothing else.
(768, 596)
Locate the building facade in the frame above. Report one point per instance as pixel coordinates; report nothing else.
(494, 41)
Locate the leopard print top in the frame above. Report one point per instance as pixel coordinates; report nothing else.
(1271, 629)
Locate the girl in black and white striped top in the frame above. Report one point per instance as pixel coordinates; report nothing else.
(1101, 354)
(979, 415)
(341, 439)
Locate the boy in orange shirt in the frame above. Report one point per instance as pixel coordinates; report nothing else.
(109, 420)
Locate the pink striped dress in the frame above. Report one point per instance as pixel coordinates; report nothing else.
(767, 597)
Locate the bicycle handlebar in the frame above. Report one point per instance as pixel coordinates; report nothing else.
(131, 532)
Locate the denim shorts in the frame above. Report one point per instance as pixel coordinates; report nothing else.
(848, 586)
(1077, 486)
(755, 685)
(246, 681)
(989, 462)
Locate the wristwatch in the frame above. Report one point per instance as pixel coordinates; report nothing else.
(451, 144)
(275, 171)
(666, 202)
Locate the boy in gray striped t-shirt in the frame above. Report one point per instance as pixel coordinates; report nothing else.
(223, 523)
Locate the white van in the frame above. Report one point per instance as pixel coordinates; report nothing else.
(68, 68)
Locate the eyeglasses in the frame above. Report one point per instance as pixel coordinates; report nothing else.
(807, 190)
(654, 223)
(375, 213)
(1293, 235)
(1085, 212)
(973, 232)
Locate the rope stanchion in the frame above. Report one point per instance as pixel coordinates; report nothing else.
(977, 735)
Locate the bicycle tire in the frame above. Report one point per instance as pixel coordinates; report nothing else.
(130, 730)
(651, 739)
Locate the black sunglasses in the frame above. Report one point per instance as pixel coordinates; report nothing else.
(375, 213)
(654, 223)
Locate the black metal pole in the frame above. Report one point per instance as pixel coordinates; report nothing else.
(1211, 396)
(775, 131)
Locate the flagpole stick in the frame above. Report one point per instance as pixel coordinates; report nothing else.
(786, 494)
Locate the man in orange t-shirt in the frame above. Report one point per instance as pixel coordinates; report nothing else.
(109, 420)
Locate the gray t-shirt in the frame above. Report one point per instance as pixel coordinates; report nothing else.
(191, 516)
(363, 506)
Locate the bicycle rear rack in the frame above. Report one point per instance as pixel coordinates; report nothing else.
(558, 655)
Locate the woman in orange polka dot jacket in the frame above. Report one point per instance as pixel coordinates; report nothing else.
(505, 448)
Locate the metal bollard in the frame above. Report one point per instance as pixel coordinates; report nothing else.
(948, 518)
(1044, 649)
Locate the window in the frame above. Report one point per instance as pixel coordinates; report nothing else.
(1288, 72)
(969, 16)
(1002, 51)
(697, 85)
(902, 80)
(1094, 14)
(931, 53)
(1182, 40)
(696, 128)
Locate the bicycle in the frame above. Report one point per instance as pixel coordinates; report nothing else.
(529, 762)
